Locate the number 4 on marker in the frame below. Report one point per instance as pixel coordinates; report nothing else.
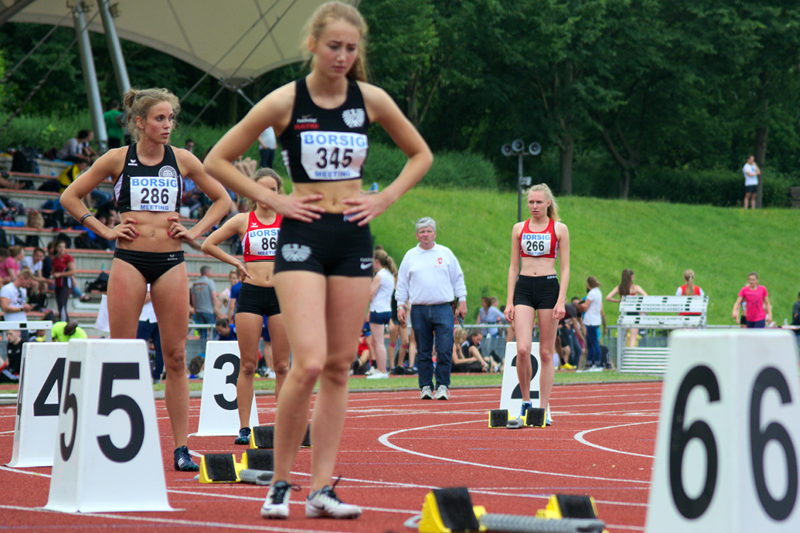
(56, 377)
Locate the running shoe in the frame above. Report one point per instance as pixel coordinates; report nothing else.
(324, 503)
(276, 505)
(442, 393)
(525, 406)
(426, 393)
(244, 436)
(183, 461)
(378, 375)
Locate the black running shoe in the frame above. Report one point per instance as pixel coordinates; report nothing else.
(183, 461)
(244, 436)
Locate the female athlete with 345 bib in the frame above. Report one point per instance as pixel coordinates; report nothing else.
(323, 264)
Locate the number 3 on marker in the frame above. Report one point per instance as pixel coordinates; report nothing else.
(702, 376)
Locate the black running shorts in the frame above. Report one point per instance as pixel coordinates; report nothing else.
(331, 246)
(539, 292)
(257, 300)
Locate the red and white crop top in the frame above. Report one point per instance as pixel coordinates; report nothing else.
(538, 244)
(261, 240)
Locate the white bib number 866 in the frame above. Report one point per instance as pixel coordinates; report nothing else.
(680, 436)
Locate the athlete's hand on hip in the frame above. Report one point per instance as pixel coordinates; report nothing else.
(365, 207)
(242, 268)
(178, 231)
(125, 230)
(300, 208)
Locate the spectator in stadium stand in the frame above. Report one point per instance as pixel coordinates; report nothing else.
(64, 331)
(430, 279)
(534, 288)
(758, 312)
(149, 175)
(9, 366)
(489, 314)
(14, 297)
(189, 145)
(63, 270)
(115, 124)
(10, 266)
(203, 299)
(627, 287)
(78, 148)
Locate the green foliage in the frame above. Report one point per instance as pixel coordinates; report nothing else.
(42, 131)
(657, 240)
(449, 170)
(721, 187)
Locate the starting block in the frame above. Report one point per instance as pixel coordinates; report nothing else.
(264, 437)
(256, 459)
(255, 467)
(219, 468)
(534, 417)
(449, 510)
(498, 418)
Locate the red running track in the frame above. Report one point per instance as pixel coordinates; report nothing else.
(394, 450)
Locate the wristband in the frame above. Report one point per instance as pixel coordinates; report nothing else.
(84, 217)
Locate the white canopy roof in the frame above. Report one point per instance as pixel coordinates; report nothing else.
(232, 40)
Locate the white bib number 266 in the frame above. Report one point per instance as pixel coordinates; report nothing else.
(333, 155)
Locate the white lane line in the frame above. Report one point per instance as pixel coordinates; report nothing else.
(580, 437)
(161, 520)
(384, 439)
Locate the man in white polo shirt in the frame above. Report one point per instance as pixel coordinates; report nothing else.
(429, 279)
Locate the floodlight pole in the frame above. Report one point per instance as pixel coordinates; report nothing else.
(517, 147)
(90, 75)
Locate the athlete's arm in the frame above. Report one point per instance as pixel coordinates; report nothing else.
(109, 164)
(610, 296)
(562, 233)
(192, 168)
(383, 110)
(513, 271)
(273, 110)
(736, 306)
(236, 225)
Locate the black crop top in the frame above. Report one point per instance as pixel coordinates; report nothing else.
(325, 144)
(155, 188)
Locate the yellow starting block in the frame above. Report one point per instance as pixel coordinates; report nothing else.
(450, 510)
(219, 468)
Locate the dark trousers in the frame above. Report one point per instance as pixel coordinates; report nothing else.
(433, 326)
(62, 299)
(149, 331)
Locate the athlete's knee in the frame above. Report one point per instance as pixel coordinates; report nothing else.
(281, 369)
(306, 373)
(337, 370)
(175, 361)
(247, 368)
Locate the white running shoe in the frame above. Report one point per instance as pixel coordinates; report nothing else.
(371, 371)
(324, 503)
(378, 375)
(426, 393)
(442, 393)
(276, 505)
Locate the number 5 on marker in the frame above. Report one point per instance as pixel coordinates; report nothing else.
(728, 435)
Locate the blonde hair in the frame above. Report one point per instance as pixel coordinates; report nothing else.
(385, 260)
(331, 11)
(266, 172)
(552, 210)
(459, 336)
(138, 103)
(688, 276)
